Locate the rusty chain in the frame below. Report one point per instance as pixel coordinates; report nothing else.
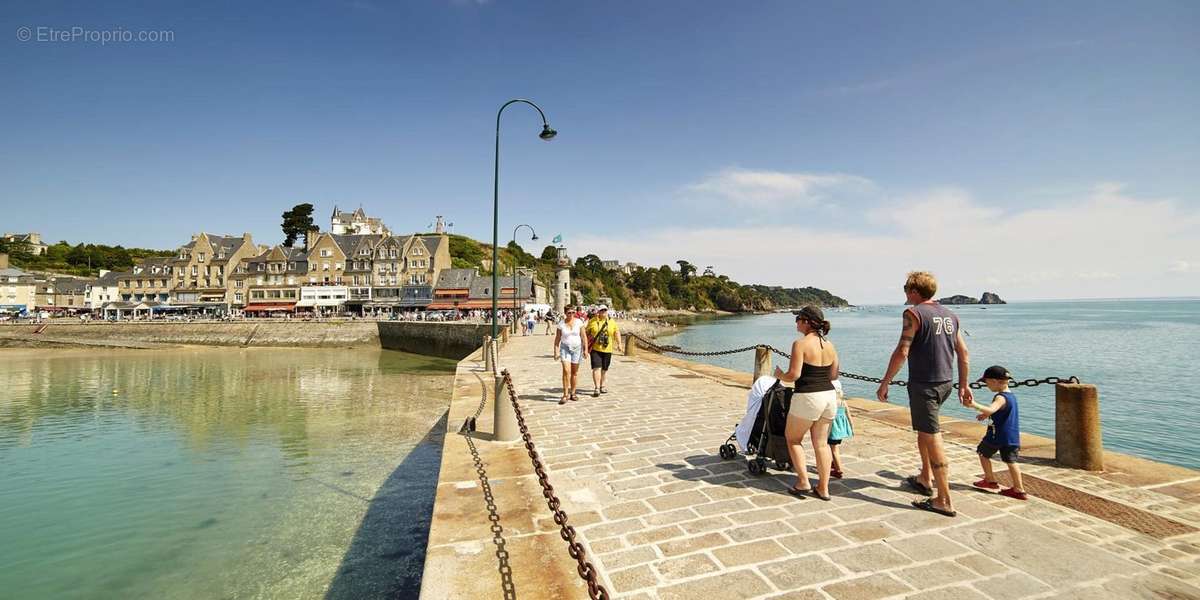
(975, 385)
(502, 555)
(587, 571)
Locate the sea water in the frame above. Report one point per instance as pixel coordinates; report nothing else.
(1139, 353)
(217, 473)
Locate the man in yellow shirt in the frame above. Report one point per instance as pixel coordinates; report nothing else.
(603, 339)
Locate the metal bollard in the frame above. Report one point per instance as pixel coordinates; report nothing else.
(630, 346)
(762, 362)
(503, 415)
(1077, 439)
(488, 358)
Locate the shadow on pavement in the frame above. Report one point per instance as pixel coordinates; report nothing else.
(387, 556)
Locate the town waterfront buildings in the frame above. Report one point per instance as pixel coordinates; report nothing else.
(358, 267)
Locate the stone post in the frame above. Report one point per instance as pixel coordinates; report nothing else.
(504, 336)
(503, 415)
(762, 362)
(1077, 440)
(488, 358)
(630, 345)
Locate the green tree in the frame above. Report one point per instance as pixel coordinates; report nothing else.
(685, 269)
(550, 253)
(296, 223)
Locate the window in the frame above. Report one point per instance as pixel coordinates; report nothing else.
(238, 284)
(418, 264)
(326, 253)
(365, 252)
(199, 257)
(418, 251)
(338, 266)
(324, 266)
(237, 297)
(392, 253)
(194, 270)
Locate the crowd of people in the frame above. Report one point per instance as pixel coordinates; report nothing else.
(932, 345)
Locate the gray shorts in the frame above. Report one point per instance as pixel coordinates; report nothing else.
(925, 400)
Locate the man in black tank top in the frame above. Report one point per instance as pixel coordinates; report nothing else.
(931, 343)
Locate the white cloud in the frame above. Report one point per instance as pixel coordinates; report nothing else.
(1180, 266)
(776, 189)
(1103, 244)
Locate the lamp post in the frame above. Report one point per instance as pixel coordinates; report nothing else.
(546, 134)
(533, 238)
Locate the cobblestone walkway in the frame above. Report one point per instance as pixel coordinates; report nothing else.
(665, 517)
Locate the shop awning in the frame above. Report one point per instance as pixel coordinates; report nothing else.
(270, 307)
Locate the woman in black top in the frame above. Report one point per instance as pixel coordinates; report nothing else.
(813, 368)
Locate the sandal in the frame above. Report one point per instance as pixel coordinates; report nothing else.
(562, 400)
(815, 494)
(915, 484)
(927, 504)
(1014, 494)
(984, 484)
(603, 390)
(799, 493)
(835, 473)
(574, 397)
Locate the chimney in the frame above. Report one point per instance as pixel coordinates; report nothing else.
(441, 225)
(3, 261)
(310, 238)
(246, 238)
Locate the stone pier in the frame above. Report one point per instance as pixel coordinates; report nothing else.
(663, 516)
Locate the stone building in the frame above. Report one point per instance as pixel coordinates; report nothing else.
(104, 289)
(202, 267)
(356, 223)
(32, 242)
(150, 280)
(16, 289)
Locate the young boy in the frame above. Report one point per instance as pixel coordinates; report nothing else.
(1003, 433)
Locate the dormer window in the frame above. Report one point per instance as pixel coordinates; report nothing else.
(200, 257)
(417, 251)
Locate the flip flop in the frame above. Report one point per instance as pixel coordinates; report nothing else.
(799, 493)
(915, 484)
(1014, 494)
(813, 492)
(834, 473)
(927, 504)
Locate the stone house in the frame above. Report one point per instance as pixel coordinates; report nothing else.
(152, 279)
(104, 289)
(32, 242)
(202, 267)
(356, 223)
(16, 289)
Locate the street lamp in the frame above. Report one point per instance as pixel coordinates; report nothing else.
(546, 134)
(534, 238)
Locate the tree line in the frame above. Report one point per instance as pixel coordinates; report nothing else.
(78, 259)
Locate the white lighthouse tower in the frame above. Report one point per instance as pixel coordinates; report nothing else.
(562, 281)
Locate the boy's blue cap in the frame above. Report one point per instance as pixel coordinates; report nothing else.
(996, 372)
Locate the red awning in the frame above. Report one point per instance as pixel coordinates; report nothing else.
(269, 306)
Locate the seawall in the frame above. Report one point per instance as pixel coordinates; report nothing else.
(447, 340)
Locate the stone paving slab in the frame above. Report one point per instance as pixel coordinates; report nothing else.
(664, 517)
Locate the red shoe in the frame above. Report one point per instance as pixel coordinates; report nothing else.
(984, 484)
(1014, 494)
(835, 473)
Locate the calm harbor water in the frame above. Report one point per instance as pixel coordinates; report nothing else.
(1140, 353)
(217, 473)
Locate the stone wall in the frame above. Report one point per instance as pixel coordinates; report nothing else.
(447, 340)
(336, 334)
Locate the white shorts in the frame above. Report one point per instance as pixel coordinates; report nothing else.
(814, 406)
(571, 354)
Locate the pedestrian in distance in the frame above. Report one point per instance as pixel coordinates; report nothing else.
(570, 350)
(813, 369)
(1003, 433)
(603, 338)
(931, 342)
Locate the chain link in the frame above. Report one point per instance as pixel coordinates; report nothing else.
(975, 385)
(585, 568)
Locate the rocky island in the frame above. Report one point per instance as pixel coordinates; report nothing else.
(988, 298)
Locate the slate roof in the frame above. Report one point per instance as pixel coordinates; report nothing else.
(456, 278)
(65, 285)
(110, 278)
(481, 287)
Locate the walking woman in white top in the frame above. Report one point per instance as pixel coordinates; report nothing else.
(570, 350)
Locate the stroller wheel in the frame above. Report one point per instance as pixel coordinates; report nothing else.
(783, 465)
(753, 467)
(727, 451)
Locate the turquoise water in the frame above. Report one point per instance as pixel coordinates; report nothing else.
(1139, 353)
(216, 473)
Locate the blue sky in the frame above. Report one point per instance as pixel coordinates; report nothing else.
(832, 145)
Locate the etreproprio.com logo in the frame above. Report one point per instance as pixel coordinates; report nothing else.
(85, 35)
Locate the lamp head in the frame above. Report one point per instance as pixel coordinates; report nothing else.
(535, 237)
(547, 133)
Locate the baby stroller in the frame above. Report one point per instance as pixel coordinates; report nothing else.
(765, 440)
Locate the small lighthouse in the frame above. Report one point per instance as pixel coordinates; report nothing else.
(562, 281)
